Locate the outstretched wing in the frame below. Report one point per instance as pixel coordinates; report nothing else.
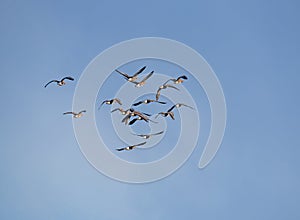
(172, 115)
(139, 71)
(169, 81)
(171, 108)
(133, 121)
(126, 118)
(102, 103)
(146, 114)
(69, 113)
(68, 77)
(138, 103)
(161, 102)
(157, 94)
(147, 77)
(121, 149)
(82, 111)
(140, 144)
(158, 114)
(51, 82)
(117, 109)
(182, 77)
(158, 133)
(123, 74)
(186, 105)
(118, 101)
(173, 87)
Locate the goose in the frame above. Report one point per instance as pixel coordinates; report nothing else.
(143, 82)
(147, 136)
(133, 77)
(141, 116)
(60, 82)
(110, 102)
(164, 86)
(147, 101)
(166, 114)
(75, 115)
(179, 80)
(131, 147)
(123, 112)
(178, 105)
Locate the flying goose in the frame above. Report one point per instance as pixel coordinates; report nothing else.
(141, 116)
(110, 102)
(131, 147)
(75, 115)
(133, 77)
(179, 80)
(143, 82)
(146, 119)
(60, 82)
(166, 114)
(147, 136)
(123, 112)
(164, 86)
(147, 101)
(178, 105)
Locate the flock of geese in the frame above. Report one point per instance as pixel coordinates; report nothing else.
(131, 115)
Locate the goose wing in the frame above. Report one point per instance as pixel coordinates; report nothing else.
(158, 94)
(123, 74)
(69, 113)
(173, 87)
(138, 103)
(182, 77)
(140, 144)
(51, 82)
(139, 71)
(68, 77)
(118, 101)
(147, 77)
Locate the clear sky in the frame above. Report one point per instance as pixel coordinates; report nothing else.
(253, 47)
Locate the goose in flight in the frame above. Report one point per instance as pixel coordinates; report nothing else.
(133, 77)
(60, 82)
(164, 86)
(179, 80)
(146, 119)
(166, 114)
(110, 102)
(140, 116)
(147, 101)
(143, 82)
(123, 112)
(178, 105)
(75, 115)
(131, 147)
(147, 136)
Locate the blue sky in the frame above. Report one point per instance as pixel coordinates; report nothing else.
(253, 47)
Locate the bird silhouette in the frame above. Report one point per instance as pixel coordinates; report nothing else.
(133, 77)
(164, 86)
(131, 147)
(75, 115)
(166, 114)
(60, 82)
(143, 82)
(147, 136)
(179, 80)
(110, 102)
(147, 101)
(178, 105)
